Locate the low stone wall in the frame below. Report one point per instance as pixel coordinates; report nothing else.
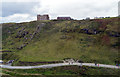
(23, 63)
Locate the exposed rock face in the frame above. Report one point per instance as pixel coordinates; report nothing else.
(38, 29)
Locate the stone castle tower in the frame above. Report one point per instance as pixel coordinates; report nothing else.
(43, 17)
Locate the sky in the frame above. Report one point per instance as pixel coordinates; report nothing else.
(27, 10)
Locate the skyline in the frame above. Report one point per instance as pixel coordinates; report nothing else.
(20, 10)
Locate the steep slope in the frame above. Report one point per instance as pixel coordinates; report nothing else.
(86, 40)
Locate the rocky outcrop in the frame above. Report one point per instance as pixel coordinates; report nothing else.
(38, 29)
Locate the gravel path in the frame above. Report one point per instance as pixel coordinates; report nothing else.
(59, 64)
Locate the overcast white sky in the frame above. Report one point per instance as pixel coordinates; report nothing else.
(26, 10)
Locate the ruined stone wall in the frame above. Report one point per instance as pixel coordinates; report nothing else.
(42, 17)
(63, 18)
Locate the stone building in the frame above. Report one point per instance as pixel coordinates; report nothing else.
(42, 17)
(88, 18)
(64, 18)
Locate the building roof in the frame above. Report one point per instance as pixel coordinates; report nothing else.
(43, 15)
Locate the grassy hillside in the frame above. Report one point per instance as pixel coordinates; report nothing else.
(86, 40)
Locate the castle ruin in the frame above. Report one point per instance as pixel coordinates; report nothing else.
(64, 18)
(43, 17)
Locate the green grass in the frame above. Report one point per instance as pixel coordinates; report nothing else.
(51, 44)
